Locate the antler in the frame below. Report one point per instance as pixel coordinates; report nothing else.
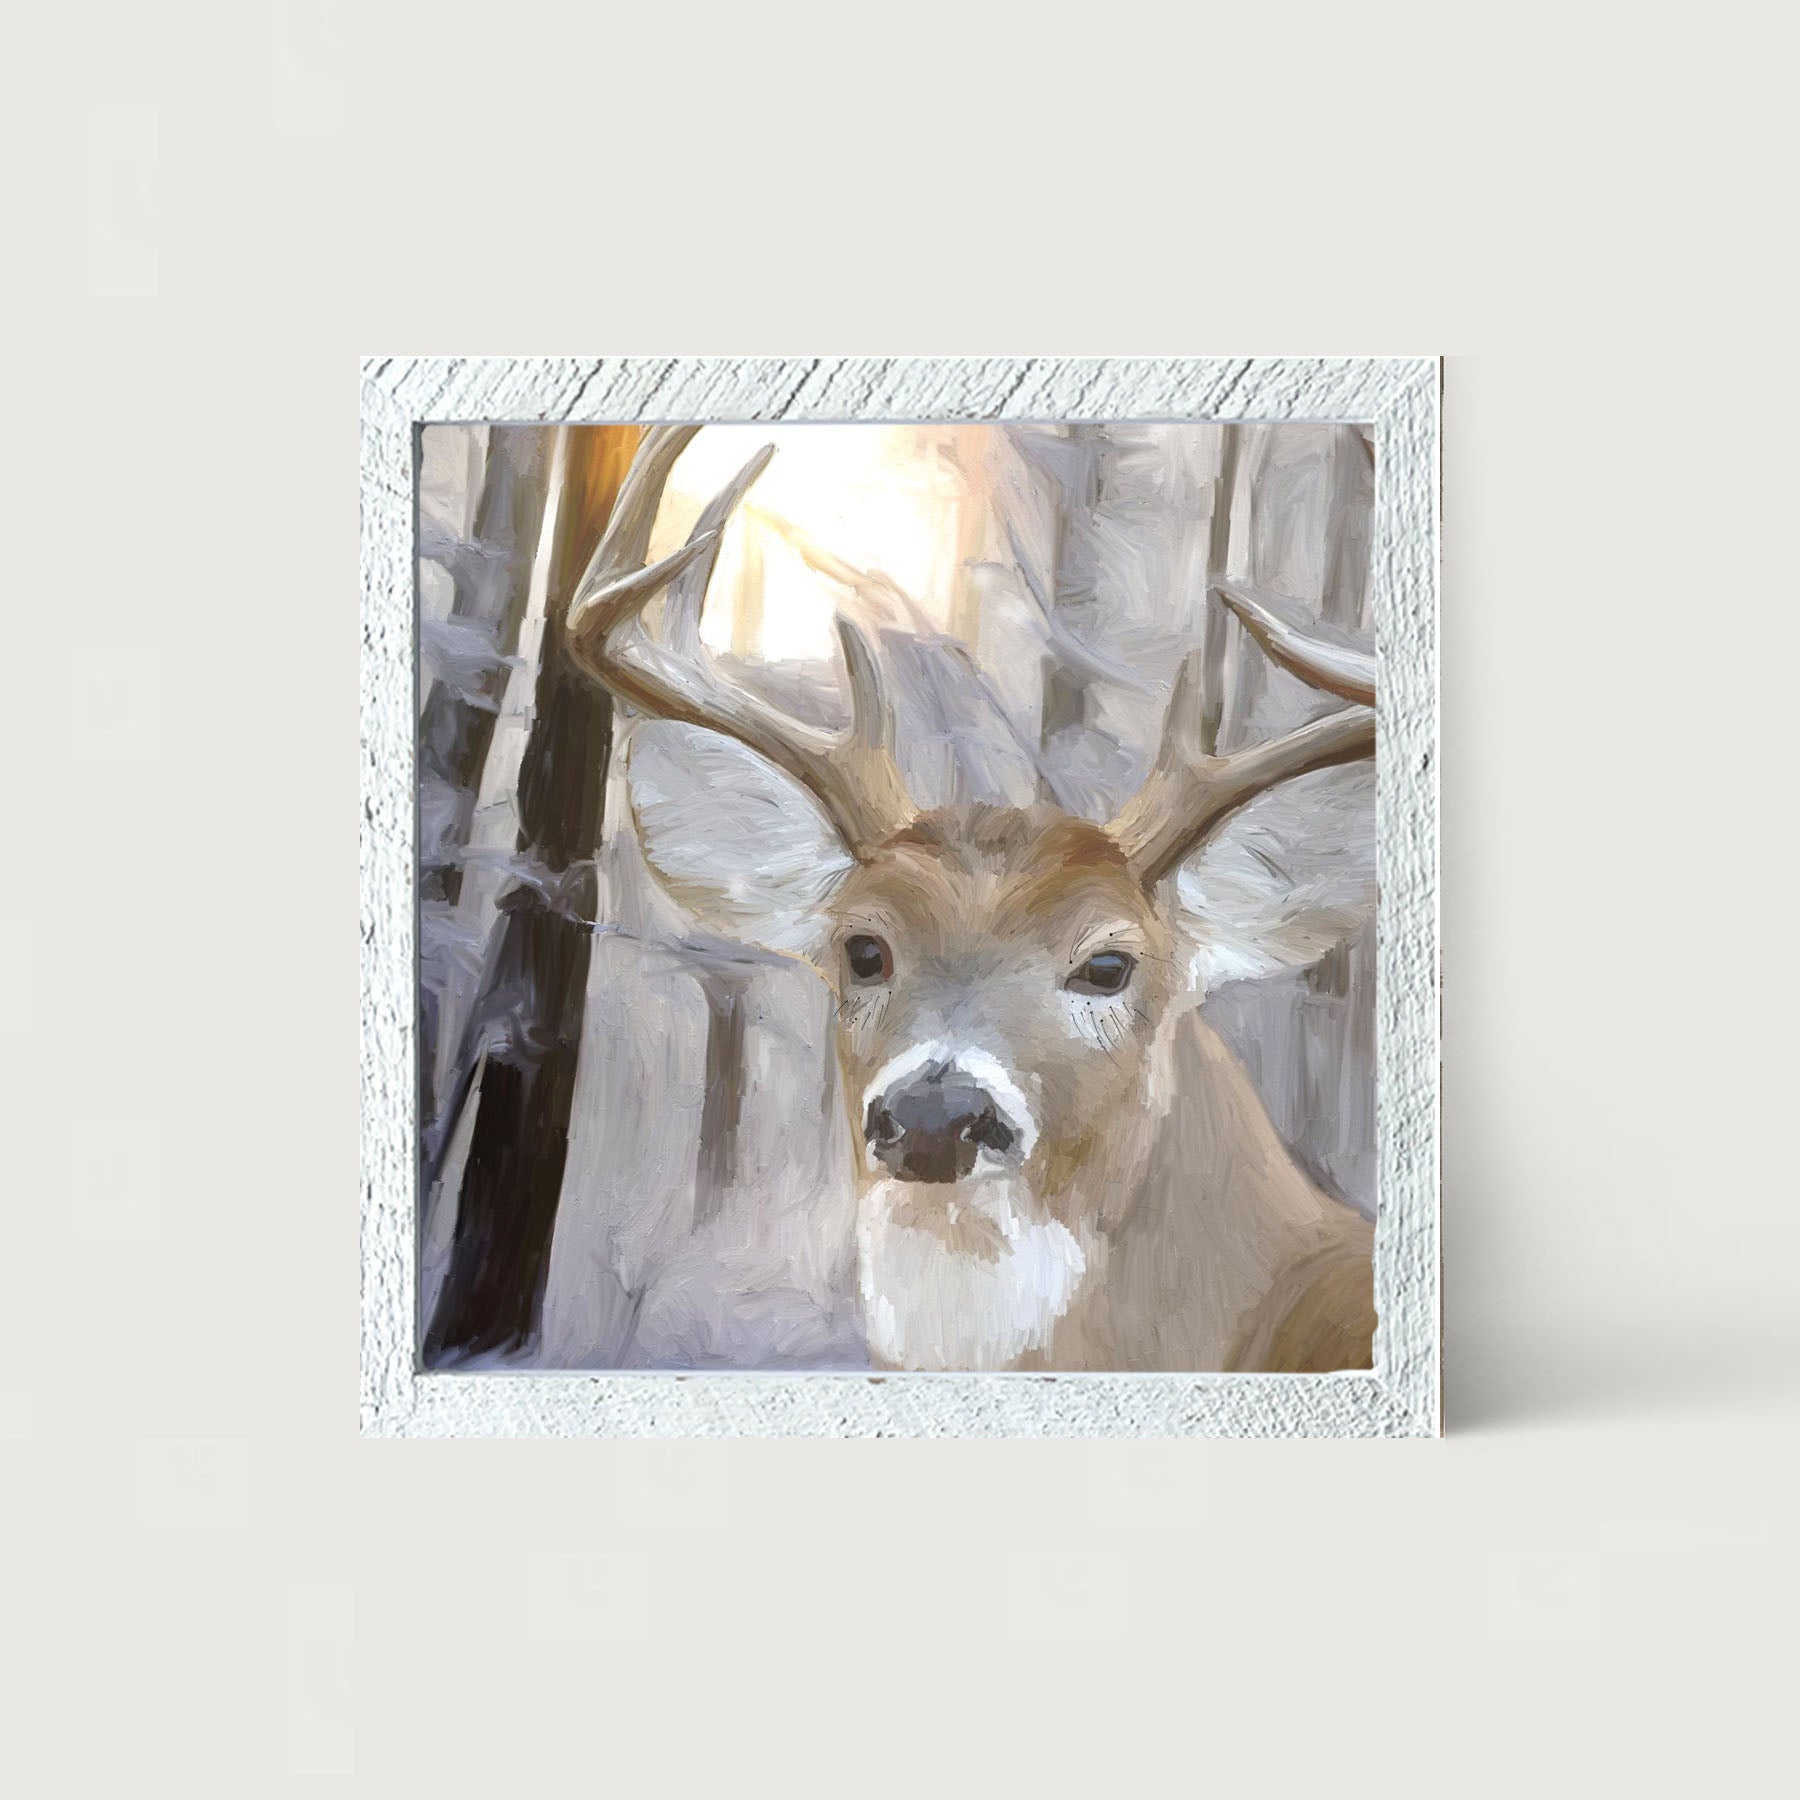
(1190, 793)
(1339, 669)
(852, 773)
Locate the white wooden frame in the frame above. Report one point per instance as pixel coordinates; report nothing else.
(1400, 398)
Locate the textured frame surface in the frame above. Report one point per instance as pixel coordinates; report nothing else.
(1399, 398)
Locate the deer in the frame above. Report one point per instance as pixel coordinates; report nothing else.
(1059, 1165)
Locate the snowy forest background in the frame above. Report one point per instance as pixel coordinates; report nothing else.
(632, 1152)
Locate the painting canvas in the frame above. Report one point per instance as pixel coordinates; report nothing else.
(896, 897)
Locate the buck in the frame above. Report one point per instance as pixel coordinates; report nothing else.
(1060, 1164)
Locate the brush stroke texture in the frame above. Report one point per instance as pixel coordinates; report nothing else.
(664, 1256)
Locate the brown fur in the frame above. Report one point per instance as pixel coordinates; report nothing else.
(1213, 1251)
(1319, 1315)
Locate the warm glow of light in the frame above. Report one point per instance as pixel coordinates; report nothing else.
(881, 498)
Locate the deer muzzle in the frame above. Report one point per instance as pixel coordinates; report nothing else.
(936, 1122)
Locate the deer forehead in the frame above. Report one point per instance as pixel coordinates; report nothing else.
(997, 877)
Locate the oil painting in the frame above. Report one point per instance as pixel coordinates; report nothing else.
(896, 897)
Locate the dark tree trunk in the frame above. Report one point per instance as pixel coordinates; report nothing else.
(715, 1168)
(525, 1033)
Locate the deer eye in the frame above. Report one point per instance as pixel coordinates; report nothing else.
(1106, 973)
(869, 957)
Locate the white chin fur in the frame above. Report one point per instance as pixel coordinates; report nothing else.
(931, 1306)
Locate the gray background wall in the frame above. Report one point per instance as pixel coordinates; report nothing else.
(213, 1587)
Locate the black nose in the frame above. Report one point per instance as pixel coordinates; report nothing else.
(933, 1128)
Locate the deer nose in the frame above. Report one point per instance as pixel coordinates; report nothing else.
(933, 1128)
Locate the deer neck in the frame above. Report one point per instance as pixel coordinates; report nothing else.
(1198, 1235)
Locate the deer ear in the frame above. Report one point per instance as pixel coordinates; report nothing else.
(732, 838)
(1283, 880)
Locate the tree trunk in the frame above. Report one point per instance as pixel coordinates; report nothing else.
(1347, 544)
(492, 576)
(527, 1021)
(715, 1168)
(1218, 563)
(1068, 701)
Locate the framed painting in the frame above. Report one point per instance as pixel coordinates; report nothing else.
(900, 896)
